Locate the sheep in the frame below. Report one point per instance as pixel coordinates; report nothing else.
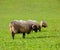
(34, 22)
(21, 26)
(43, 24)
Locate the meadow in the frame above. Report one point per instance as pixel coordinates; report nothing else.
(47, 39)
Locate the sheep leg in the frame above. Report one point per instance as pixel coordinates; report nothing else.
(13, 35)
(39, 28)
(23, 35)
(28, 33)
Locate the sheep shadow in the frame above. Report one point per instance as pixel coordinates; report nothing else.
(42, 37)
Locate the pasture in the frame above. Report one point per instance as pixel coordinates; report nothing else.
(47, 39)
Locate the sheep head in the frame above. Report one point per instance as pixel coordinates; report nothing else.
(34, 27)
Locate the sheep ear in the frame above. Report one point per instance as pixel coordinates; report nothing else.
(34, 26)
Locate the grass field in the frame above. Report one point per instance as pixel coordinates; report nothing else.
(47, 39)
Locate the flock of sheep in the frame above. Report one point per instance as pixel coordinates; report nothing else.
(22, 26)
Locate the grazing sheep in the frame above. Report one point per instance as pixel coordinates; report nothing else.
(43, 24)
(34, 22)
(21, 26)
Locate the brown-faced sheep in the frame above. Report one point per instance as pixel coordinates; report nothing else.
(21, 26)
(43, 24)
(34, 22)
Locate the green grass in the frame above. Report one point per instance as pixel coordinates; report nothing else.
(47, 39)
